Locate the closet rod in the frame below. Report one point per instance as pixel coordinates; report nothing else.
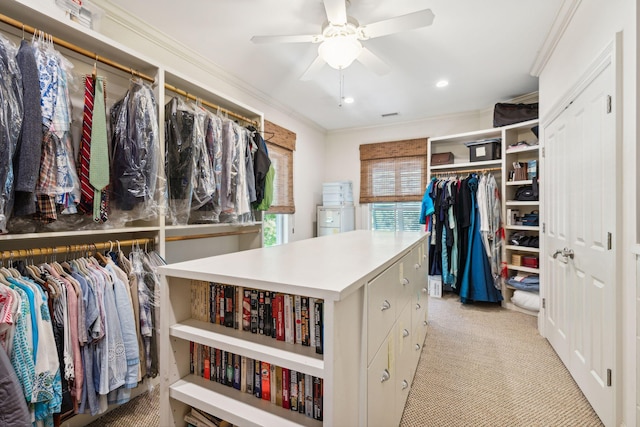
(209, 104)
(464, 171)
(5, 255)
(31, 30)
(206, 236)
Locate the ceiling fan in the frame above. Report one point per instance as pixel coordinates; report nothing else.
(341, 36)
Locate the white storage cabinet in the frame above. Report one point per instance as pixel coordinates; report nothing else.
(375, 310)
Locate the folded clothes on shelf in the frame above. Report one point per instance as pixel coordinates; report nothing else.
(530, 282)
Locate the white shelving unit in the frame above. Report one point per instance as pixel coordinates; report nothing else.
(172, 242)
(230, 237)
(356, 274)
(525, 153)
(501, 169)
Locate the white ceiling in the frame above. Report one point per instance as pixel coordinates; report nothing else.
(485, 48)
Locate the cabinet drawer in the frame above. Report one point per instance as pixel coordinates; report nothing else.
(381, 387)
(381, 308)
(419, 305)
(329, 218)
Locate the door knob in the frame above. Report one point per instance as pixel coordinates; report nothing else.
(385, 376)
(566, 252)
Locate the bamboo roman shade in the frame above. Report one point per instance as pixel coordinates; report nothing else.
(393, 171)
(281, 144)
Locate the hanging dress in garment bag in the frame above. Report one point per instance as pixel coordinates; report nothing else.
(477, 280)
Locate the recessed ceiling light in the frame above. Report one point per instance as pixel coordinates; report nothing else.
(442, 83)
(348, 100)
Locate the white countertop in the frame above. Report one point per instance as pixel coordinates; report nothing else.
(328, 267)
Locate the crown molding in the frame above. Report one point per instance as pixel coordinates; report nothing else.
(122, 18)
(559, 26)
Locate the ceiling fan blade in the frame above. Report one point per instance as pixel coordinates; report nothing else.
(287, 39)
(410, 21)
(373, 62)
(336, 11)
(312, 69)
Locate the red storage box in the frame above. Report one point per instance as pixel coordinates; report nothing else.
(530, 261)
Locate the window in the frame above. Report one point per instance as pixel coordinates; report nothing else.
(393, 171)
(274, 229)
(396, 216)
(281, 144)
(393, 178)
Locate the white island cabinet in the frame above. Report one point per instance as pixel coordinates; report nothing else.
(373, 288)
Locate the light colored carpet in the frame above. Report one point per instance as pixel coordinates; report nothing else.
(483, 365)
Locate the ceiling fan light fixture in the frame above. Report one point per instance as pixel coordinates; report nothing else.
(340, 51)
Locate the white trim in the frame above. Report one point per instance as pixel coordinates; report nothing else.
(560, 24)
(600, 63)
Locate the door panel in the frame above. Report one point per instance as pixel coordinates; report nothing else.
(580, 215)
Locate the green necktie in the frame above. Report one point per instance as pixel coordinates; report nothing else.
(99, 160)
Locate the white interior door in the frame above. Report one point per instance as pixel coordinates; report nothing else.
(581, 214)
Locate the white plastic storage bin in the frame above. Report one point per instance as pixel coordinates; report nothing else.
(337, 193)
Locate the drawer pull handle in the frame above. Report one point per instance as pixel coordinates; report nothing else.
(424, 290)
(386, 305)
(424, 256)
(405, 384)
(417, 347)
(405, 333)
(385, 376)
(417, 266)
(405, 281)
(424, 323)
(418, 306)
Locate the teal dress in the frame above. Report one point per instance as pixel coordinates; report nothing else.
(477, 279)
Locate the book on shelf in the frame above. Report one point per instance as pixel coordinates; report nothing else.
(221, 304)
(243, 374)
(191, 361)
(318, 309)
(254, 311)
(268, 316)
(274, 315)
(301, 388)
(312, 322)
(272, 382)
(257, 379)
(230, 369)
(265, 378)
(250, 375)
(308, 395)
(212, 364)
(237, 307)
(206, 371)
(246, 310)
(317, 398)
(293, 390)
(280, 317)
(218, 374)
(229, 296)
(212, 302)
(304, 321)
(278, 393)
(261, 312)
(286, 388)
(289, 330)
(237, 374)
(297, 319)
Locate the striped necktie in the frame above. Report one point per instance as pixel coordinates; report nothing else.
(86, 198)
(99, 164)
